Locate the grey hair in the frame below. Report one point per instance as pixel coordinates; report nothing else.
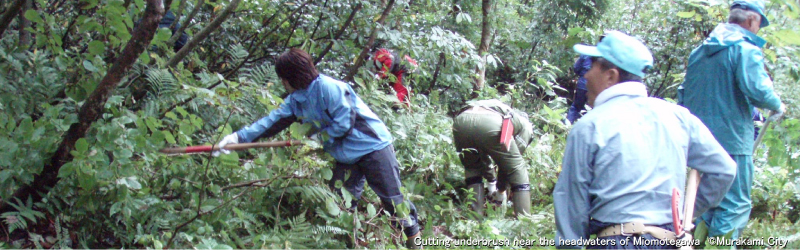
(739, 16)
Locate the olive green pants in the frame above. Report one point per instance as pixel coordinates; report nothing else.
(477, 139)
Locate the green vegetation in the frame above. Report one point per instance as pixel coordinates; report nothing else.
(90, 91)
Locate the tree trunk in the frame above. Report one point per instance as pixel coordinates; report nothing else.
(483, 49)
(338, 34)
(200, 36)
(93, 107)
(5, 19)
(372, 35)
(442, 61)
(24, 35)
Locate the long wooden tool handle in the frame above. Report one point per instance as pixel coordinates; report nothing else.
(691, 193)
(237, 146)
(764, 129)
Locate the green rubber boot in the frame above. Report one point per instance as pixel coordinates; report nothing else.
(410, 242)
(480, 197)
(522, 202)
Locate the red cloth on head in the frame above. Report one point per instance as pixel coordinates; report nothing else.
(383, 60)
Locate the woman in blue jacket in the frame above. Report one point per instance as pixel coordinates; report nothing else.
(358, 139)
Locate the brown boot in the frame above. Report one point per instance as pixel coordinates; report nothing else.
(411, 242)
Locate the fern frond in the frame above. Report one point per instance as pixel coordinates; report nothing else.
(260, 74)
(329, 230)
(237, 53)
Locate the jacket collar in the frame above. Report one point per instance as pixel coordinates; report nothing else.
(749, 36)
(301, 95)
(620, 89)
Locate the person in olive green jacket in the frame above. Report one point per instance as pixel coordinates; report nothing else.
(477, 132)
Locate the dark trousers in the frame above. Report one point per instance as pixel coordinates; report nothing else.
(578, 105)
(596, 226)
(381, 171)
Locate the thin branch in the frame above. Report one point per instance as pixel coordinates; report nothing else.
(250, 49)
(319, 22)
(338, 34)
(200, 36)
(177, 14)
(186, 22)
(203, 193)
(373, 34)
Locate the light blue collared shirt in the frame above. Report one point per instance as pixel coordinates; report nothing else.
(624, 157)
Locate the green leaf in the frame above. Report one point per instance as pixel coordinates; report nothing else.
(96, 47)
(686, 14)
(144, 57)
(327, 173)
(575, 31)
(89, 66)
(33, 16)
(371, 210)
(130, 182)
(332, 207)
(168, 136)
(788, 36)
(81, 145)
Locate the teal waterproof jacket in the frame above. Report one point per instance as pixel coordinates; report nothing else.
(725, 78)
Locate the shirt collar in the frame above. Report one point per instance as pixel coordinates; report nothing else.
(620, 89)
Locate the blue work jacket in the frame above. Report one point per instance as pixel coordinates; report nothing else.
(334, 108)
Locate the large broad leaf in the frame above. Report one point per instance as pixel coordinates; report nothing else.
(331, 207)
(33, 16)
(701, 232)
(686, 14)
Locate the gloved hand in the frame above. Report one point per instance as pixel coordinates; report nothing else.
(492, 188)
(778, 114)
(228, 139)
(317, 137)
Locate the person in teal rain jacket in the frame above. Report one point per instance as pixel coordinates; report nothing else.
(725, 78)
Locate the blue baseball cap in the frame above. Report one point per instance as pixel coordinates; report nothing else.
(753, 5)
(624, 51)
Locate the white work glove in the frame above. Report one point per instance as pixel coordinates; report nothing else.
(317, 137)
(777, 115)
(499, 196)
(492, 188)
(229, 139)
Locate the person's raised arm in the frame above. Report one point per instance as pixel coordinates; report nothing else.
(752, 79)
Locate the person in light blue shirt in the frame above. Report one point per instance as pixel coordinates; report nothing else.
(725, 78)
(356, 137)
(624, 157)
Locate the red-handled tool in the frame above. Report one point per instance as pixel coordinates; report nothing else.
(237, 146)
(676, 214)
(506, 132)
